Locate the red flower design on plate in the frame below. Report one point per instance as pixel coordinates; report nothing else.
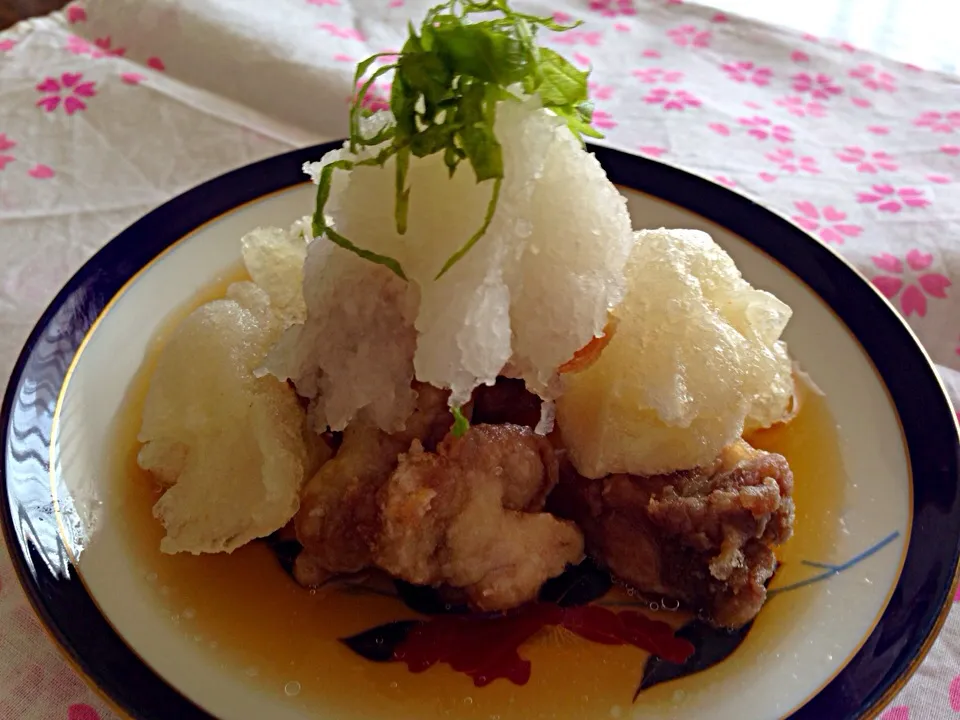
(762, 127)
(746, 71)
(101, 47)
(657, 75)
(797, 105)
(874, 78)
(792, 163)
(819, 85)
(867, 162)
(827, 222)
(937, 121)
(613, 8)
(689, 36)
(671, 99)
(69, 89)
(891, 199)
(913, 299)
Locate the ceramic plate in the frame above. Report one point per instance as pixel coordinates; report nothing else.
(857, 602)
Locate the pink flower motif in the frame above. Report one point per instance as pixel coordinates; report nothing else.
(827, 222)
(761, 128)
(322, 3)
(377, 97)
(874, 78)
(7, 45)
(890, 199)
(938, 122)
(577, 37)
(952, 150)
(799, 56)
(720, 129)
(603, 120)
(957, 596)
(878, 129)
(600, 92)
(156, 63)
(101, 47)
(41, 171)
(867, 162)
(848, 47)
(341, 57)
(650, 53)
(752, 105)
(82, 711)
(67, 89)
(132, 78)
(76, 13)
(796, 105)
(820, 86)
(613, 8)
(671, 99)
(346, 33)
(746, 71)
(860, 102)
(652, 150)
(724, 180)
(767, 177)
(5, 160)
(657, 75)
(562, 17)
(6, 143)
(955, 694)
(791, 163)
(581, 59)
(621, 27)
(900, 712)
(939, 179)
(719, 18)
(689, 36)
(914, 296)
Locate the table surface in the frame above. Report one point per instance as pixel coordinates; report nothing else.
(923, 35)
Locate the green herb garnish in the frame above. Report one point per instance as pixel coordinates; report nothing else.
(447, 82)
(460, 422)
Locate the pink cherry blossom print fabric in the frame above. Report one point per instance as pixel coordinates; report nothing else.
(112, 107)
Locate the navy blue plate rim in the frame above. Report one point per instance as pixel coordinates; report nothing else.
(903, 635)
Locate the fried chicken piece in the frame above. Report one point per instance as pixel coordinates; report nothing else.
(339, 519)
(704, 537)
(469, 516)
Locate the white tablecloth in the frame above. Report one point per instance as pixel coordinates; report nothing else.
(114, 106)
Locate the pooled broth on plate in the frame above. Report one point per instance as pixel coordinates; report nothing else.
(249, 615)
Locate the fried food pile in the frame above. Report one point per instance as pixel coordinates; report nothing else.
(468, 379)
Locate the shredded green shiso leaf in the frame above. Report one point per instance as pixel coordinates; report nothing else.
(460, 423)
(447, 82)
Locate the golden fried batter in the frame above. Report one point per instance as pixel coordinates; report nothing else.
(469, 516)
(338, 521)
(704, 536)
